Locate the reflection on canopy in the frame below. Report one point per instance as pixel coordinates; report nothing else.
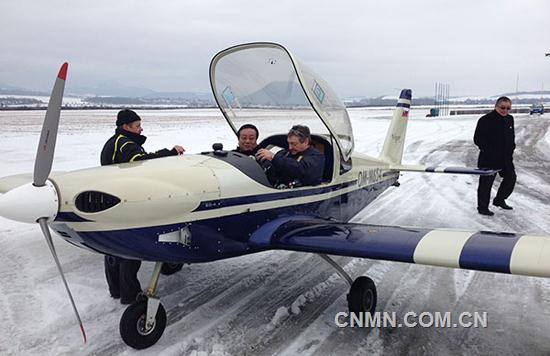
(261, 83)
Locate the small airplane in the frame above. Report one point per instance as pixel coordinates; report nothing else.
(220, 204)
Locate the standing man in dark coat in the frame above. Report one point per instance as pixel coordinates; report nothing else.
(126, 146)
(300, 164)
(495, 138)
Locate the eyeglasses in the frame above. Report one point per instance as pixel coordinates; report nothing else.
(505, 107)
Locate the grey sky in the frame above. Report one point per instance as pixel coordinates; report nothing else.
(361, 47)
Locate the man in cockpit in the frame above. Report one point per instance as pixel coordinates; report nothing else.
(300, 164)
(248, 140)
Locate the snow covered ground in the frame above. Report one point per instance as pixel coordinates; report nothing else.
(282, 302)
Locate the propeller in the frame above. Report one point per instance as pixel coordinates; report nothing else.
(48, 136)
(43, 167)
(43, 222)
(39, 201)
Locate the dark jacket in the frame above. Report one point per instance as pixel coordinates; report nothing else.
(307, 166)
(495, 138)
(125, 146)
(248, 153)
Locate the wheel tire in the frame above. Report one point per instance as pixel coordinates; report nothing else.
(362, 296)
(170, 268)
(132, 326)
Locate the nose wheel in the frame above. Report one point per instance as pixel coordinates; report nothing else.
(139, 331)
(143, 322)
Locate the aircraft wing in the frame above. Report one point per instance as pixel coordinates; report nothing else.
(436, 169)
(475, 250)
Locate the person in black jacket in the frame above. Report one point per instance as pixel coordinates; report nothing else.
(126, 146)
(300, 164)
(495, 138)
(248, 140)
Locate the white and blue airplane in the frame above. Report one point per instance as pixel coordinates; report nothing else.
(220, 204)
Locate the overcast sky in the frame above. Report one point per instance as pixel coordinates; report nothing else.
(362, 48)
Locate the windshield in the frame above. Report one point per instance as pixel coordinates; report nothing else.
(260, 83)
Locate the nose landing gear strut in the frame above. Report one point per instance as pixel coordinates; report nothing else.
(144, 321)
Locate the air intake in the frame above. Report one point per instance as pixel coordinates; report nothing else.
(93, 202)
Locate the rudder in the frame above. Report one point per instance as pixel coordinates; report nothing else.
(392, 152)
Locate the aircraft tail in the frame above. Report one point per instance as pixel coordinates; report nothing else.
(392, 152)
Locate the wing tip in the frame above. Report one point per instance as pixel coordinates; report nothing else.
(63, 71)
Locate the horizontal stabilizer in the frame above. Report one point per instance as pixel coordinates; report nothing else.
(453, 170)
(475, 250)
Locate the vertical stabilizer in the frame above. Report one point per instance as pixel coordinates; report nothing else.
(392, 151)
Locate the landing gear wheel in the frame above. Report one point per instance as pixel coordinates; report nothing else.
(133, 329)
(362, 296)
(170, 268)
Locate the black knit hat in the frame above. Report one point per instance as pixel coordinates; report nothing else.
(126, 116)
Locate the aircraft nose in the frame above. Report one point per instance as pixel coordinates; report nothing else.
(28, 203)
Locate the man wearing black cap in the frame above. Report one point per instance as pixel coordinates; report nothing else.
(126, 146)
(300, 164)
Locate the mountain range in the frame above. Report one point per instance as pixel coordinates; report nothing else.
(286, 95)
(111, 89)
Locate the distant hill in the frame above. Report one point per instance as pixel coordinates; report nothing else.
(276, 94)
(6, 89)
(115, 89)
(109, 88)
(524, 97)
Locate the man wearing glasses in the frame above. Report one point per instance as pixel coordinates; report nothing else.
(495, 138)
(301, 164)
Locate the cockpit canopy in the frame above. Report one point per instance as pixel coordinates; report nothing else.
(262, 84)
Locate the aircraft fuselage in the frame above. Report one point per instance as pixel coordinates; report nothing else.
(198, 208)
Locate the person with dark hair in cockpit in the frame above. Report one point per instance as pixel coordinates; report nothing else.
(300, 164)
(248, 140)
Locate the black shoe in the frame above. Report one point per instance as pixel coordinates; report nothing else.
(502, 204)
(485, 212)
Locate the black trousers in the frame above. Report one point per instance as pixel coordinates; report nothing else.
(122, 278)
(504, 190)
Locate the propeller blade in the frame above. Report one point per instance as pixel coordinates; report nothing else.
(46, 145)
(46, 231)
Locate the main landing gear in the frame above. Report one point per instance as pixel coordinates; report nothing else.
(144, 321)
(362, 292)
